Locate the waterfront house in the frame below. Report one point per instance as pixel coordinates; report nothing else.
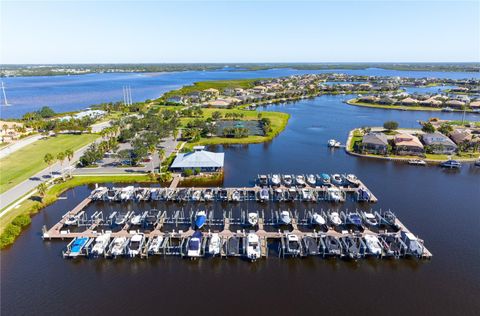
(175, 99)
(409, 101)
(374, 143)
(219, 103)
(11, 131)
(199, 158)
(465, 137)
(212, 92)
(475, 104)
(408, 145)
(437, 143)
(455, 104)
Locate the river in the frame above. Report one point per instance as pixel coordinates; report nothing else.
(441, 206)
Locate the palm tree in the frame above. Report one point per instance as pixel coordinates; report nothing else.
(152, 148)
(69, 155)
(48, 158)
(161, 157)
(175, 134)
(60, 158)
(42, 189)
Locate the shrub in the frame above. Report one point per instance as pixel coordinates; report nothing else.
(390, 125)
(188, 172)
(22, 220)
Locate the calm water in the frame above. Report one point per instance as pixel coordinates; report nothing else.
(440, 206)
(70, 93)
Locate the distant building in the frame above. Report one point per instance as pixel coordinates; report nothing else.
(375, 143)
(439, 143)
(206, 161)
(10, 131)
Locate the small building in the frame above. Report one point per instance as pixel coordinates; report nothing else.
(409, 101)
(408, 145)
(439, 143)
(455, 104)
(199, 158)
(375, 143)
(465, 137)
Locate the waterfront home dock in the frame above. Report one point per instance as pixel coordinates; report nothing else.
(391, 235)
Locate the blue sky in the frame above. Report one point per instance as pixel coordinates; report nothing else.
(238, 31)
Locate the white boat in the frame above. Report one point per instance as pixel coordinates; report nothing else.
(333, 143)
(312, 180)
(287, 180)
(214, 244)
(73, 219)
(264, 195)
(447, 109)
(101, 243)
(118, 245)
(337, 179)
(252, 218)
(127, 193)
(197, 195)
(276, 179)
(154, 245)
(285, 217)
(122, 218)
(293, 244)
(208, 195)
(136, 220)
(253, 246)
(318, 219)
(300, 180)
(370, 218)
(235, 196)
(373, 245)
(417, 162)
(352, 179)
(136, 244)
(307, 195)
(334, 194)
(334, 217)
(194, 243)
(414, 246)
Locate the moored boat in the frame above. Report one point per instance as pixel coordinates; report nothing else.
(417, 162)
(276, 180)
(101, 243)
(312, 180)
(193, 246)
(252, 218)
(373, 245)
(300, 180)
(154, 245)
(75, 248)
(214, 244)
(135, 245)
(200, 219)
(318, 219)
(285, 217)
(334, 218)
(253, 247)
(451, 164)
(287, 180)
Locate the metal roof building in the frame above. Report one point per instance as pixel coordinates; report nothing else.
(199, 158)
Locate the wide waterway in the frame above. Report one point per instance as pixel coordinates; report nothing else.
(76, 92)
(441, 206)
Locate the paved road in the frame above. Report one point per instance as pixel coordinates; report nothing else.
(5, 151)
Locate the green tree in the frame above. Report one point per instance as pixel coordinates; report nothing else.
(445, 129)
(390, 125)
(48, 158)
(42, 189)
(216, 115)
(61, 159)
(188, 172)
(428, 128)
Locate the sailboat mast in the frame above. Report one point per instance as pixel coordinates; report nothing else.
(4, 94)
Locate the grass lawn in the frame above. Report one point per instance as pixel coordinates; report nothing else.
(28, 160)
(219, 85)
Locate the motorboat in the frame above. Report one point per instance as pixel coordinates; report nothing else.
(233, 246)
(111, 195)
(334, 218)
(141, 194)
(122, 218)
(333, 246)
(117, 248)
(194, 243)
(393, 245)
(292, 194)
(214, 244)
(312, 180)
(197, 195)
(352, 179)
(223, 195)
(253, 247)
(136, 219)
(276, 180)
(370, 219)
(287, 180)
(447, 109)
(354, 219)
(127, 193)
(136, 244)
(417, 162)
(200, 219)
(278, 194)
(208, 195)
(373, 245)
(101, 243)
(332, 143)
(318, 219)
(325, 178)
(235, 196)
(252, 218)
(337, 179)
(451, 164)
(307, 195)
(414, 246)
(75, 248)
(98, 193)
(154, 194)
(310, 245)
(334, 194)
(293, 244)
(300, 180)
(154, 245)
(73, 219)
(285, 217)
(264, 195)
(263, 180)
(363, 195)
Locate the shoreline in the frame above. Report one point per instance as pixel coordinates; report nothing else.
(402, 107)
